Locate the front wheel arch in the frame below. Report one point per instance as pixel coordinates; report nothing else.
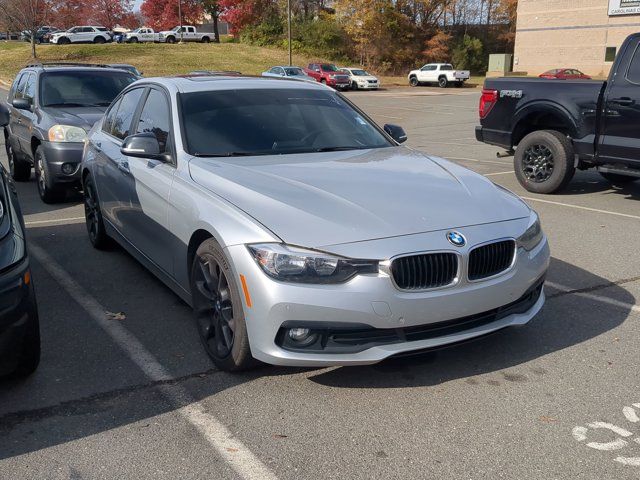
(195, 241)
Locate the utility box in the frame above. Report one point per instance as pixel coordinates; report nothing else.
(500, 64)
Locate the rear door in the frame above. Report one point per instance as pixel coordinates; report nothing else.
(619, 134)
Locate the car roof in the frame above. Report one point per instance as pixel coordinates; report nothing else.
(71, 67)
(204, 83)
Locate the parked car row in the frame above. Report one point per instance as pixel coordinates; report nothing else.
(340, 78)
(244, 204)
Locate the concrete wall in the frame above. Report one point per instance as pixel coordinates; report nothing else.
(568, 33)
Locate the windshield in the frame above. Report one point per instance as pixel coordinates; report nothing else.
(359, 73)
(329, 68)
(82, 88)
(271, 122)
(293, 72)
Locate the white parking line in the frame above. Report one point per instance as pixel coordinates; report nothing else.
(239, 457)
(580, 207)
(465, 159)
(497, 173)
(598, 298)
(55, 221)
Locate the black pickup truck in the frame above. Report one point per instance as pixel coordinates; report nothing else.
(558, 126)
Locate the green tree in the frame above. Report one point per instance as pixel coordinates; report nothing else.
(469, 54)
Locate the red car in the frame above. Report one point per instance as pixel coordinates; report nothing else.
(565, 73)
(329, 74)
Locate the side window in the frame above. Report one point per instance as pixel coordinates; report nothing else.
(156, 118)
(121, 124)
(21, 84)
(30, 88)
(107, 124)
(633, 73)
(14, 86)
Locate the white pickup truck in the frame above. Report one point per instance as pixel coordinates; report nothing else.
(441, 73)
(186, 34)
(142, 34)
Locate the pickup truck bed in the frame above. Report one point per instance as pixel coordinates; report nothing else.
(557, 126)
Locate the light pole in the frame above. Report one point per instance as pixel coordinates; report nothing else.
(289, 30)
(180, 20)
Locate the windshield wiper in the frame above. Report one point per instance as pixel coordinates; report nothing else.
(101, 104)
(66, 104)
(338, 149)
(225, 154)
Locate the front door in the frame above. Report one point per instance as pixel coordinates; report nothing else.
(149, 182)
(620, 139)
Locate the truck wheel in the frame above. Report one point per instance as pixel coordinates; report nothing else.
(99, 40)
(171, 39)
(442, 82)
(133, 40)
(413, 81)
(206, 39)
(544, 161)
(64, 41)
(48, 191)
(617, 179)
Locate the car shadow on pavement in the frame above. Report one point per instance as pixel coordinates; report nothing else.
(566, 320)
(31, 204)
(592, 182)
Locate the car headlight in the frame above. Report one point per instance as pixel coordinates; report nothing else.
(532, 236)
(67, 133)
(298, 265)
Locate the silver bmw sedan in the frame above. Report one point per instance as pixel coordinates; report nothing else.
(301, 232)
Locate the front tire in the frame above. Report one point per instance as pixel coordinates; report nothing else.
(64, 41)
(618, 180)
(29, 357)
(93, 217)
(48, 191)
(19, 170)
(413, 82)
(218, 311)
(171, 39)
(544, 161)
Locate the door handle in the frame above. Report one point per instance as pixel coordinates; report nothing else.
(124, 167)
(624, 101)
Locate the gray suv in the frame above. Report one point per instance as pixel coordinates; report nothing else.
(52, 107)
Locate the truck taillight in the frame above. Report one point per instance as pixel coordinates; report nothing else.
(488, 99)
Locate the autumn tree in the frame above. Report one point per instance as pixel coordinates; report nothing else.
(438, 47)
(25, 15)
(163, 14)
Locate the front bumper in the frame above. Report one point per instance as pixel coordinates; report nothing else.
(372, 303)
(59, 153)
(368, 86)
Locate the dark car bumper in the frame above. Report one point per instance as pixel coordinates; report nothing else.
(494, 137)
(58, 154)
(17, 304)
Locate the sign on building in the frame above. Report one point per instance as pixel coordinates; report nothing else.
(624, 7)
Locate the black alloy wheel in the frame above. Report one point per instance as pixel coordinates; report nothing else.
(93, 217)
(213, 308)
(442, 82)
(538, 163)
(413, 81)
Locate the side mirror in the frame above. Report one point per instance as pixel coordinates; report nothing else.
(142, 145)
(317, 70)
(4, 115)
(21, 104)
(396, 132)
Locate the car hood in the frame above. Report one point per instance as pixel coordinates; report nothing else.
(83, 117)
(322, 199)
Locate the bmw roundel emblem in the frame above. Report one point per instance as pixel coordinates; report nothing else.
(456, 238)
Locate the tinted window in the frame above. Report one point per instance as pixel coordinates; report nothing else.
(82, 88)
(274, 121)
(156, 118)
(446, 67)
(30, 88)
(428, 68)
(633, 74)
(121, 125)
(108, 118)
(16, 83)
(329, 68)
(293, 71)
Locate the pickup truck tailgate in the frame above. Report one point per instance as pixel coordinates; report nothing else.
(461, 74)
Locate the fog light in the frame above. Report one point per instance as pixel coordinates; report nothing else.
(68, 168)
(299, 334)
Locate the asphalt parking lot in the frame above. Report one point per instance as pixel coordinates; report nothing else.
(138, 398)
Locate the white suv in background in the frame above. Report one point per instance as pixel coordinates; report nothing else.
(361, 79)
(82, 34)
